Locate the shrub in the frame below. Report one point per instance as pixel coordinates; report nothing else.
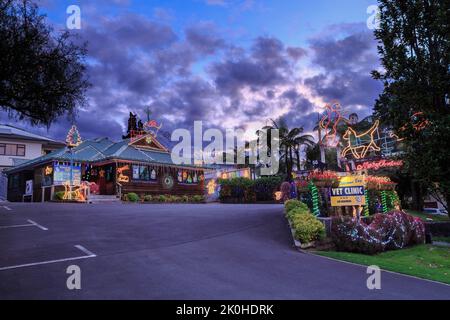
(173, 199)
(185, 198)
(307, 228)
(394, 230)
(161, 198)
(60, 195)
(238, 189)
(291, 204)
(197, 198)
(294, 204)
(148, 198)
(265, 187)
(352, 235)
(297, 211)
(133, 197)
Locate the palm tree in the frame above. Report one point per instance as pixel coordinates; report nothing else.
(291, 141)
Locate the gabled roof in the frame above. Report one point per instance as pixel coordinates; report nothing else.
(11, 132)
(101, 149)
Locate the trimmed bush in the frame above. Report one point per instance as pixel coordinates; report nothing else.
(148, 198)
(292, 204)
(60, 195)
(161, 198)
(132, 197)
(265, 187)
(307, 228)
(198, 198)
(237, 190)
(351, 235)
(394, 230)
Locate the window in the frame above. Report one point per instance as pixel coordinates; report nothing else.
(9, 149)
(144, 173)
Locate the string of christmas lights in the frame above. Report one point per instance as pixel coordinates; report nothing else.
(384, 201)
(366, 207)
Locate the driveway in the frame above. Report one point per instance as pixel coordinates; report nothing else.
(151, 251)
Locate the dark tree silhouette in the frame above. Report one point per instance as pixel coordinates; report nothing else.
(42, 73)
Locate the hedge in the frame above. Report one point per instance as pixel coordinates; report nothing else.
(245, 190)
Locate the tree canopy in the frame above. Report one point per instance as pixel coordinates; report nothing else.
(42, 73)
(414, 46)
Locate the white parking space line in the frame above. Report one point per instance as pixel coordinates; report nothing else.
(17, 226)
(90, 255)
(7, 208)
(37, 225)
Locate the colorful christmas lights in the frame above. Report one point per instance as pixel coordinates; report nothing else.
(73, 138)
(359, 144)
(315, 199)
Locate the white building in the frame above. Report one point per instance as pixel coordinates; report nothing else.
(18, 146)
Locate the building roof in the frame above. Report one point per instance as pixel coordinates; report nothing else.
(102, 149)
(11, 132)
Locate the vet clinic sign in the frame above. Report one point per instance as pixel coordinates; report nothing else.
(349, 193)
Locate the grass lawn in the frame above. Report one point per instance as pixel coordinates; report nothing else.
(442, 239)
(424, 216)
(424, 261)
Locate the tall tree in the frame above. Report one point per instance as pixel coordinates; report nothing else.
(290, 142)
(42, 74)
(414, 46)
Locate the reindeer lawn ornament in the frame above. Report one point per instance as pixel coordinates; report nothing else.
(360, 144)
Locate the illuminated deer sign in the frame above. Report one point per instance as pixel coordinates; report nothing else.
(360, 144)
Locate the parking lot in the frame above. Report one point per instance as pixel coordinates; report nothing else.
(178, 251)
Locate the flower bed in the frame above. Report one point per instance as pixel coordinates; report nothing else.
(133, 197)
(324, 179)
(380, 183)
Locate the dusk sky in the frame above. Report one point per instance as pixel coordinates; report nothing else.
(230, 63)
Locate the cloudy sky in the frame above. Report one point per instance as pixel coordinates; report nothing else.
(230, 63)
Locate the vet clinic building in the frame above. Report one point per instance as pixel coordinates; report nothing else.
(141, 165)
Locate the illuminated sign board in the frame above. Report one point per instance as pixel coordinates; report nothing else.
(349, 193)
(62, 174)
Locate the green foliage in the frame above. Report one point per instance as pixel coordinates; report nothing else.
(290, 141)
(132, 197)
(415, 54)
(307, 228)
(42, 72)
(265, 187)
(148, 198)
(291, 204)
(238, 189)
(198, 198)
(303, 209)
(172, 198)
(60, 195)
(161, 198)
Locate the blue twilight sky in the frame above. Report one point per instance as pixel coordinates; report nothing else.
(230, 63)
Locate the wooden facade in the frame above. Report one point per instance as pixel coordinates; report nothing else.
(112, 175)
